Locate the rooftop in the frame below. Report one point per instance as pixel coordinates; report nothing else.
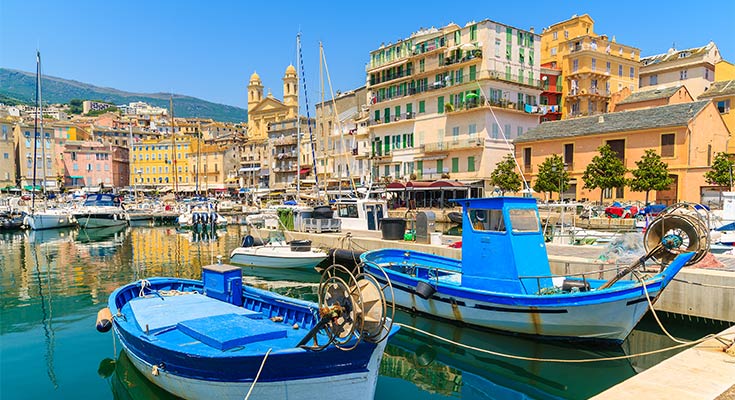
(674, 54)
(655, 117)
(720, 88)
(654, 94)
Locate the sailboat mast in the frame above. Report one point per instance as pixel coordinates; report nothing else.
(173, 147)
(35, 129)
(308, 119)
(298, 125)
(43, 139)
(199, 158)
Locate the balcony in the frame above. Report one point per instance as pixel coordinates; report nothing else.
(391, 77)
(393, 118)
(475, 55)
(286, 140)
(447, 145)
(501, 76)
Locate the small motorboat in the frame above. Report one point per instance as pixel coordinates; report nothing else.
(202, 216)
(504, 280)
(101, 210)
(277, 254)
(218, 339)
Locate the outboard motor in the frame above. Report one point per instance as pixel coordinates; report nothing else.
(205, 218)
(213, 218)
(195, 218)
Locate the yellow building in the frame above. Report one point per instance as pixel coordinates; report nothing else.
(264, 111)
(153, 161)
(211, 166)
(592, 66)
(722, 94)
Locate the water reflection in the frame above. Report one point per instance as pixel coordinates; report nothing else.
(127, 383)
(53, 282)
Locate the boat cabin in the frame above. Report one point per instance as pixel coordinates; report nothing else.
(102, 199)
(503, 246)
(360, 214)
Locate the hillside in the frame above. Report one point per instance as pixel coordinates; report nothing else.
(20, 85)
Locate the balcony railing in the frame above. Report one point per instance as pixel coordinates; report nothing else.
(285, 140)
(448, 145)
(393, 118)
(473, 55)
(390, 77)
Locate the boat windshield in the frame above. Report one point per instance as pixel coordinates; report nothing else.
(347, 210)
(487, 220)
(524, 220)
(102, 200)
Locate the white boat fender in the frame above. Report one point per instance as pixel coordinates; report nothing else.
(104, 320)
(424, 290)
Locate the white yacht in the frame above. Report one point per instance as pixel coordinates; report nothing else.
(49, 219)
(101, 210)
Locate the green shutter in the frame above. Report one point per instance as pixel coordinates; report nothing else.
(409, 108)
(422, 106)
(404, 141)
(471, 164)
(398, 111)
(386, 146)
(473, 72)
(440, 105)
(377, 115)
(455, 164)
(420, 168)
(386, 115)
(440, 166)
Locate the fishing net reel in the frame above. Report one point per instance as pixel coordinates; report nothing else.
(680, 228)
(352, 308)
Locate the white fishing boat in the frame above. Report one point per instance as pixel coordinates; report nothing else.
(49, 219)
(201, 216)
(101, 210)
(277, 254)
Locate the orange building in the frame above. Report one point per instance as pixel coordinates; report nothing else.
(686, 135)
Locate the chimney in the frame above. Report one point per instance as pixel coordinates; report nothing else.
(600, 119)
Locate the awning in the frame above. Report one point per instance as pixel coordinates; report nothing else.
(265, 172)
(304, 171)
(248, 169)
(431, 158)
(232, 180)
(29, 187)
(395, 185)
(76, 177)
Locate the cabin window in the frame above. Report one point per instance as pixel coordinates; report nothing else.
(524, 220)
(347, 211)
(487, 220)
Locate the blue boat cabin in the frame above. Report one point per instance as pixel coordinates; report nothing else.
(503, 247)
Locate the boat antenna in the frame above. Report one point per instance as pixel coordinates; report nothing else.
(308, 117)
(505, 138)
(338, 122)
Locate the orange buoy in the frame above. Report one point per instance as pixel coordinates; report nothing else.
(104, 320)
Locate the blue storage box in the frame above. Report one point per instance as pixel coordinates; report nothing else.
(223, 282)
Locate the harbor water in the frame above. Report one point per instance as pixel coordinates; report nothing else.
(52, 283)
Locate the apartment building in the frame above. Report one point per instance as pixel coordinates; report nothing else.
(46, 153)
(693, 68)
(87, 164)
(442, 102)
(343, 139)
(686, 135)
(7, 154)
(290, 157)
(722, 94)
(211, 166)
(163, 163)
(593, 67)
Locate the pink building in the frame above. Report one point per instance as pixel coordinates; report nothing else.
(87, 164)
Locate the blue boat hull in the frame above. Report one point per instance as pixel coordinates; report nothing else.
(162, 338)
(604, 315)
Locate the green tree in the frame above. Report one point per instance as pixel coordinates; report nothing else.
(504, 175)
(552, 176)
(75, 106)
(606, 171)
(722, 169)
(651, 174)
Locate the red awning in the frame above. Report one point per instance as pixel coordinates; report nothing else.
(303, 171)
(418, 184)
(446, 184)
(395, 185)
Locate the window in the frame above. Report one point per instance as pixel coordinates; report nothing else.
(569, 154)
(594, 64)
(422, 106)
(607, 67)
(632, 73)
(455, 164)
(620, 70)
(667, 145)
(439, 166)
(523, 220)
(472, 130)
(471, 164)
(496, 131)
(422, 64)
(555, 35)
(653, 80)
(683, 74)
(487, 220)
(497, 47)
(440, 104)
(553, 50)
(455, 134)
(506, 131)
(618, 146)
(575, 65)
(473, 32)
(519, 131)
(6, 156)
(347, 210)
(723, 106)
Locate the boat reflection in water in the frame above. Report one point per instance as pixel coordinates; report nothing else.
(102, 242)
(443, 369)
(128, 383)
(297, 283)
(49, 236)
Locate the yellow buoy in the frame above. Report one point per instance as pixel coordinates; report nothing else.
(104, 320)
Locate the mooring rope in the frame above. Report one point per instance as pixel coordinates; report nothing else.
(704, 284)
(559, 360)
(247, 396)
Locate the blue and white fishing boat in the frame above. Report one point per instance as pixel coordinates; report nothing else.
(504, 281)
(218, 339)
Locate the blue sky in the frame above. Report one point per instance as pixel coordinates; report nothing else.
(208, 49)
